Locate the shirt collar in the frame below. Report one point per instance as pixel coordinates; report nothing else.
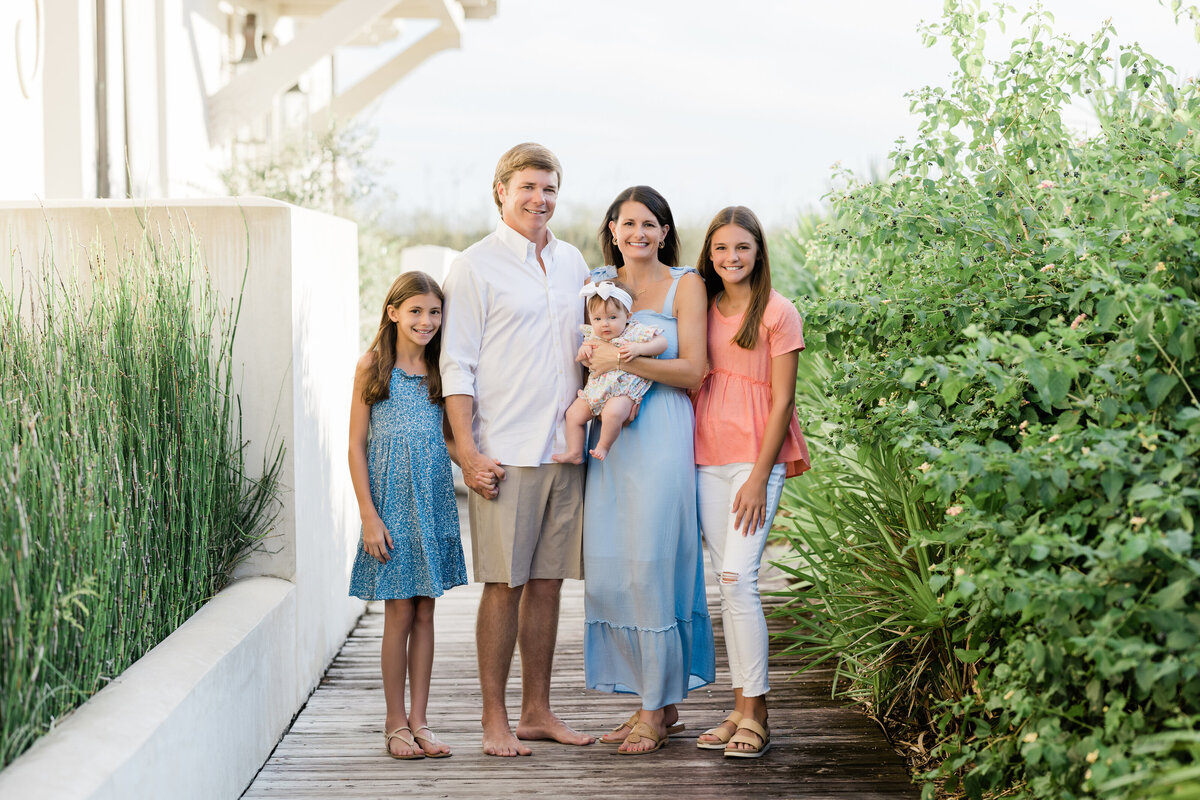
(519, 245)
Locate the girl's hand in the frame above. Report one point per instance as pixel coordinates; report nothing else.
(377, 541)
(603, 359)
(585, 353)
(629, 351)
(750, 506)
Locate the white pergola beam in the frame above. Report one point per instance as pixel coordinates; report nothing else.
(402, 9)
(250, 93)
(405, 9)
(447, 36)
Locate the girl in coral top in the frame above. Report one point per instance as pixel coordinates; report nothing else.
(748, 442)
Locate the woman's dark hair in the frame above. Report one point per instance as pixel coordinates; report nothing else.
(760, 276)
(409, 284)
(669, 254)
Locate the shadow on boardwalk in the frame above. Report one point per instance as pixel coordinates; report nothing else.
(335, 749)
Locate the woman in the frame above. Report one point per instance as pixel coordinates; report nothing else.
(648, 631)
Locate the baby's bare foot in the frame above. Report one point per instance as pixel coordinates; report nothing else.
(567, 458)
(598, 452)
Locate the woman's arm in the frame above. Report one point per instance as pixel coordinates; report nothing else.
(377, 541)
(750, 502)
(685, 371)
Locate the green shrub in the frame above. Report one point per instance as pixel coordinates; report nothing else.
(1010, 324)
(124, 501)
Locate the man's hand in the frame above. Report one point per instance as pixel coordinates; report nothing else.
(482, 474)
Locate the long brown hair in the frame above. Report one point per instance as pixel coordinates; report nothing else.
(409, 284)
(760, 276)
(657, 204)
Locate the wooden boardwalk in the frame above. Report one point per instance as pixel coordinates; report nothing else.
(334, 748)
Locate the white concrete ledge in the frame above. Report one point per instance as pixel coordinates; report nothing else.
(193, 718)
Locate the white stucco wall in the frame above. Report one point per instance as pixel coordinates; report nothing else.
(294, 352)
(22, 65)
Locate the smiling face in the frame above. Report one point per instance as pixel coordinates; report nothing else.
(734, 253)
(527, 201)
(608, 318)
(637, 231)
(417, 320)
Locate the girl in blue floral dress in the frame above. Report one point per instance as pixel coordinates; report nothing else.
(410, 551)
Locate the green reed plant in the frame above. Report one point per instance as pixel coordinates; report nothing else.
(125, 501)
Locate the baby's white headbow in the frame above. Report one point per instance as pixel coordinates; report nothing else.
(608, 291)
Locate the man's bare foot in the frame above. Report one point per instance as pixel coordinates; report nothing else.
(499, 741)
(598, 452)
(551, 728)
(567, 458)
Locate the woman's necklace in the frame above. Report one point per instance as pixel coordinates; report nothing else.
(639, 292)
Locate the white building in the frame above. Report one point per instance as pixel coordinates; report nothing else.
(104, 100)
(134, 98)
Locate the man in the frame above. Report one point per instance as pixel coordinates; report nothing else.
(508, 374)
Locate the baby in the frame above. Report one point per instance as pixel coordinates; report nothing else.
(609, 395)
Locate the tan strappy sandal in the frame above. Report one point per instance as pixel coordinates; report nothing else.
(643, 731)
(678, 727)
(759, 745)
(431, 739)
(408, 740)
(720, 733)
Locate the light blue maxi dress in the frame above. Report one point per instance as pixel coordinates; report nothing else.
(412, 488)
(647, 629)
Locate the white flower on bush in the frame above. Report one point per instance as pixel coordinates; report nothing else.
(954, 511)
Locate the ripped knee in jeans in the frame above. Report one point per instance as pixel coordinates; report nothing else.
(729, 578)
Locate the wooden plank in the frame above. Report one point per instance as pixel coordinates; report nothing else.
(334, 748)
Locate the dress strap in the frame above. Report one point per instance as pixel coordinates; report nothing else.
(669, 303)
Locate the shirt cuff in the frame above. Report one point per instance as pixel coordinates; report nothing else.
(457, 384)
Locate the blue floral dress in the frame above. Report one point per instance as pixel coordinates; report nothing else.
(412, 488)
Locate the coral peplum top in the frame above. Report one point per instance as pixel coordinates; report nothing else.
(734, 400)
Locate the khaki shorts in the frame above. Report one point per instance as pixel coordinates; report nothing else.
(534, 529)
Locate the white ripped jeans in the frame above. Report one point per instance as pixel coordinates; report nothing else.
(735, 561)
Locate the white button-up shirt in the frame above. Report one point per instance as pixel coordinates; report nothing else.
(509, 340)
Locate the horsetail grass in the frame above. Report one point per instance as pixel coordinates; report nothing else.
(124, 498)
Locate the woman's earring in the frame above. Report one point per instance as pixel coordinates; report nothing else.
(615, 240)
(660, 244)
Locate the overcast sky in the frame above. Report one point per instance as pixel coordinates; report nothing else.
(710, 102)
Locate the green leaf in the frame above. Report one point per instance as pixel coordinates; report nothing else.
(968, 656)
(1057, 387)
(911, 375)
(1159, 387)
(1172, 596)
(1145, 491)
(950, 388)
(1058, 476)
(1112, 481)
(1107, 310)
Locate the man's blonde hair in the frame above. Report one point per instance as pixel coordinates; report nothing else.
(526, 155)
